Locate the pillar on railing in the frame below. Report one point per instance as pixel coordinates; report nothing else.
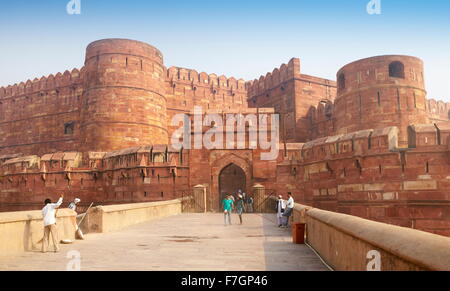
(259, 195)
(200, 199)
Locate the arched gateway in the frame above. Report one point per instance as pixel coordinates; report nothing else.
(230, 172)
(231, 180)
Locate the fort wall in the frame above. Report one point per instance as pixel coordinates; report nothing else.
(366, 174)
(186, 88)
(42, 115)
(133, 175)
(291, 94)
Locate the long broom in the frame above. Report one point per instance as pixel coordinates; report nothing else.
(79, 233)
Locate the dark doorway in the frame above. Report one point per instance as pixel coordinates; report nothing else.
(231, 179)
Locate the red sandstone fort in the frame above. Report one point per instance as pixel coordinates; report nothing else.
(369, 145)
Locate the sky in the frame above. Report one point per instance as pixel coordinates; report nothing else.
(241, 39)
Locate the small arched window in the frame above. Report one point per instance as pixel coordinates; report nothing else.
(69, 128)
(397, 70)
(341, 81)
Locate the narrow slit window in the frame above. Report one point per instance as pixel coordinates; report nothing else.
(341, 81)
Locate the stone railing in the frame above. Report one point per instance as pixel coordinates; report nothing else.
(102, 219)
(23, 231)
(351, 243)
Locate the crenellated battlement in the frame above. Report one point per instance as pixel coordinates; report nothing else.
(438, 109)
(274, 79)
(430, 137)
(322, 112)
(188, 76)
(135, 157)
(45, 83)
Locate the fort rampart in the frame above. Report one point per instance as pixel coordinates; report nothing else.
(369, 144)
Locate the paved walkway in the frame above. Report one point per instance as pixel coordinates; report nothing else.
(188, 242)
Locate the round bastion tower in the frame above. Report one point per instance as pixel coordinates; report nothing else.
(124, 103)
(380, 92)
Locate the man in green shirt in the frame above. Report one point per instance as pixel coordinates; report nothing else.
(227, 208)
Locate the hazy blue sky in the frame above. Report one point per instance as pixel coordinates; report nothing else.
(244, 39)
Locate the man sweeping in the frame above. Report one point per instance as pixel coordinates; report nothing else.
(49, 214)
(73, 205)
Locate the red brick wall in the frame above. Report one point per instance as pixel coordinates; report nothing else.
(127, 176)
(292, 94)
(187, 88)
(364, 174)
(33, 114)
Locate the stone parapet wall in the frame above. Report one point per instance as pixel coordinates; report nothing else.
(23, 231)
(103, 219)
(347, 243)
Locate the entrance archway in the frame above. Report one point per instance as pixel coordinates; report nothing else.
(220, 161)
(232, 178)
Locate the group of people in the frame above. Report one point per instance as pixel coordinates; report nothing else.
(284, 210)
(49, 215)
(240, 203)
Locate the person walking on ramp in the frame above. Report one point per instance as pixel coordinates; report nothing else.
(240, 206)
(49, 214)
(227, 208)
(280, 208)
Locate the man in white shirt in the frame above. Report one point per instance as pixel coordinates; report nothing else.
(49, 215)
(73, 205)
(289, 209)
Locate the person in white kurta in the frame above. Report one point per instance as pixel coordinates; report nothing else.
(49, 215)
(281, 206)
